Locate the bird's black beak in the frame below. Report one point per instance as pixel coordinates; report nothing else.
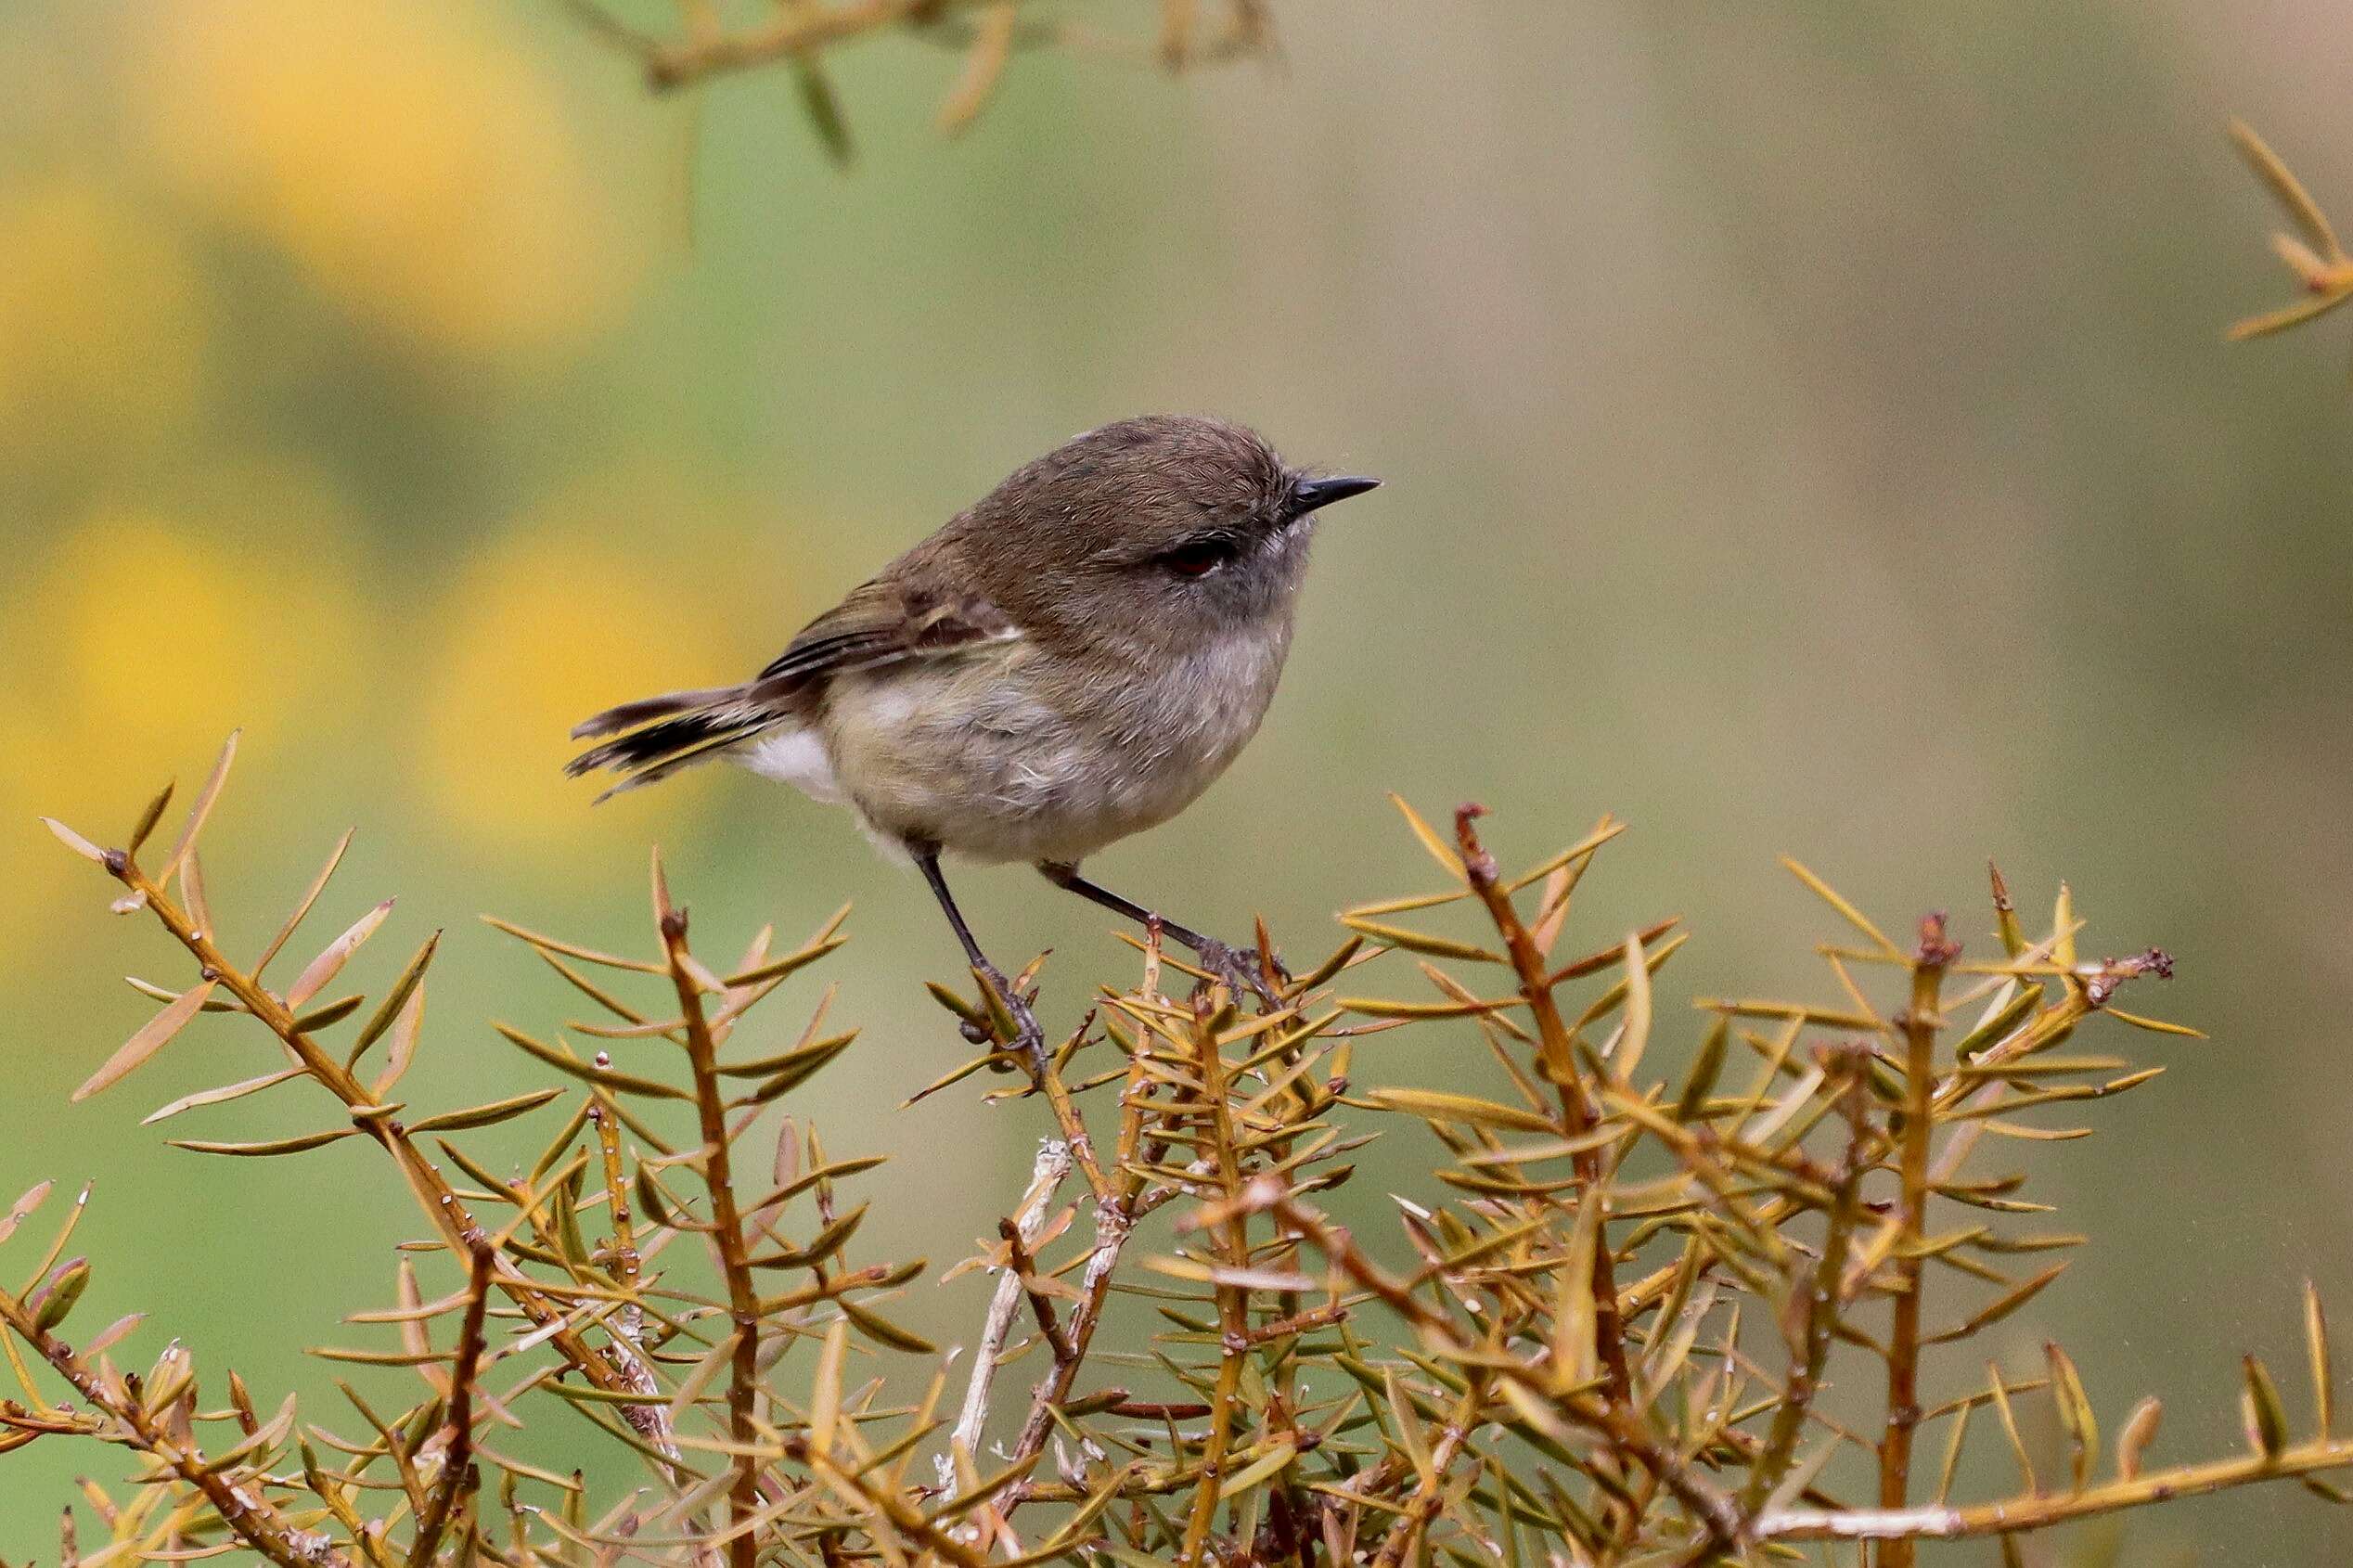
(1313, 494)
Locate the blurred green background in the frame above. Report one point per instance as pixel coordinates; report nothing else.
(1807, 430)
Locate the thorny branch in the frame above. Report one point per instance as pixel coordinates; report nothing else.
(369, 1114)
(247, 1515)
(458, 1476)
(1302, 1402)
(1052, 1167)
(726, 1223)
(1920, 1023)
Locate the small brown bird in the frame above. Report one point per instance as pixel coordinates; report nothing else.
(1073, 659)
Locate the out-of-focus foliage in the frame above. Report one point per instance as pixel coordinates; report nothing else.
(795, 35)
(1623, 1296)
(409, 163)
(2311, 254)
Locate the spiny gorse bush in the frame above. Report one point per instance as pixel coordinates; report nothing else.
(1597, 1335)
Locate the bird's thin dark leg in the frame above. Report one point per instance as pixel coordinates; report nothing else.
(927, 858)
(1031, 1039)
(1068, 876)
(1238, 966)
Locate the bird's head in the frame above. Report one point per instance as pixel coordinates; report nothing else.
(1178, 526)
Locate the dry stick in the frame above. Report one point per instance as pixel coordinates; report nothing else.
(1117, 1210)
(1288, 1507)
(1052, 1167)
(793, 33)
(459, 1228)
(2041, 1511)
(1821, 1303)
(252, 1519)
(743, 1299)
(1025, 1268)
(1113, 1223)
(1578, 1116)
(1233, 1301)
(1921, 1021)
(627, 1263)
(457, 1458)
(1577, 1113)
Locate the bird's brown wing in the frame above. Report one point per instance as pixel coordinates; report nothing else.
(893, 619)
(887, 621)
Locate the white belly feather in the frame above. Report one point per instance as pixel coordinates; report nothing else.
(978, 755)
(797, 757)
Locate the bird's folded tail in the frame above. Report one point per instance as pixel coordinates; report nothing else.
(655, 736)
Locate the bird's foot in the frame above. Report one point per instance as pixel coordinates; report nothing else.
(1241, 969)
(1028, 1040)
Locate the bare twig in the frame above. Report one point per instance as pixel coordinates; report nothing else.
(1117, 1205)
(1577, 1111)
(1047, 1176)
(1233, 1300)
(1920, 1021)
(727, 1229)
(2042, 1509)
(457, 1476)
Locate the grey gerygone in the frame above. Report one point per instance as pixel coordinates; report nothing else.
(1073, 659)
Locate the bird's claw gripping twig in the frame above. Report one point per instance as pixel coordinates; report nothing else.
(1029, 1037)
(1241, 969)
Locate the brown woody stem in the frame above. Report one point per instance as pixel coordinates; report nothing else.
(251, 1519)
(2041, 1511)
(457, 1460)
(1921, 1023)
(1233, 1301)
(1558, 1049)
(726, 1224)
(457, 1225)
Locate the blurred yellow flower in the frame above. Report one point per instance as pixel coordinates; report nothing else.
(412, 159)
(548, 624)
(159, 642)
(103, 318)
(137, 640)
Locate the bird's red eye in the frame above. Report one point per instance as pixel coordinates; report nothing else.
(1198, 558)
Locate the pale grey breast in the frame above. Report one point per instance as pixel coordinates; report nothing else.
(994, 758)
